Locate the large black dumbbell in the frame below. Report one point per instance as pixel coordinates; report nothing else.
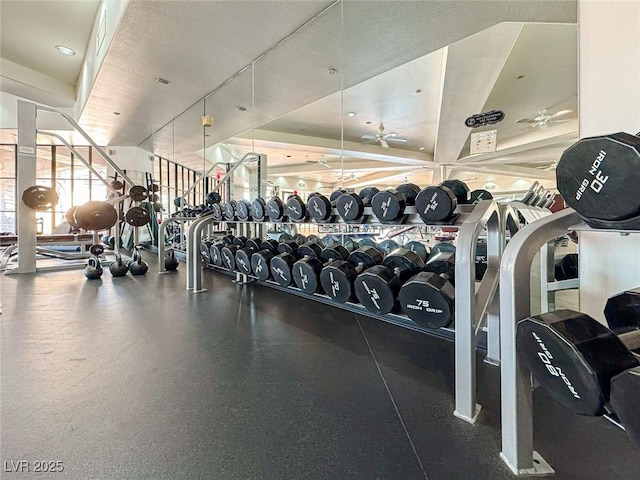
(478, 195)
(443, 264)
(258, 209)
(388, 205)
(205, 251)
(269, 244)
(574, 357)
(261, 261)
(459, 188)
(418, 248)
(229, 210)
(289, 252)
(442, 247)
(244, 254)
(599, 176)
(350, 206)
(296, 210)
(320, 208)
(243, 210)
(228, 254)
(428, 299)
(275, 209)
(436, 204)
(306, 271)
(622, 311)
(215, 252)
(216, 212)
(566, 267)
(337, 278)
(388, 246)
(377, 287)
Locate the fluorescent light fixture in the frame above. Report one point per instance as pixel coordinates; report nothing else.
(65, 50)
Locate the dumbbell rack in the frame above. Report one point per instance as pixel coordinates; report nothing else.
(476, 306)
(515, 304)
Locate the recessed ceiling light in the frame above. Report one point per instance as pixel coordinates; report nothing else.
(351, 114)
(116, 113)
(332, 71)
(422, 148)
(368, 123)
(65, 50)
(242, 109)
(519, 77)
(162, 81)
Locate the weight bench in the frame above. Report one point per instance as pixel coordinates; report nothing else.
(46, 245)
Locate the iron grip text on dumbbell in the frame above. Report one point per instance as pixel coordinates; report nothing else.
(546, 358)
(600, 179)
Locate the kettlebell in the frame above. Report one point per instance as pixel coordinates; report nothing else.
(118, 268)
(137, 266)
(170, 261)
(93, 270)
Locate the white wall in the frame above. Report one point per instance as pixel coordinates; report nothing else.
(609, 52)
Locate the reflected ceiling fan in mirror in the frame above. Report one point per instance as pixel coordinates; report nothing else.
(382, 138)
(544, 118)
(347, 177)
(320, 161)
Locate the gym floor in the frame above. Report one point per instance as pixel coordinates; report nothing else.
(134, 378)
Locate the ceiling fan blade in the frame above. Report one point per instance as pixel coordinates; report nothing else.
(561, 113)
(369, 137)
(527, 120)
(383, 143)
(389, 135)
(327, 165)
(311, 161)
(397, 140)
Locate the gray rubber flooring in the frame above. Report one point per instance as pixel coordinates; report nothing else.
(136, 378)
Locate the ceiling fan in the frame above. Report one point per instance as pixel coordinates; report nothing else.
(347, 177)
(544, 118)
(320, 161)
(382, 138)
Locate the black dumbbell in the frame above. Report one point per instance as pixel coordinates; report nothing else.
(338, 277)
(298, 237)
(205, 251)
(213, 198)
(459, 188)
(566, 267)
(418, 248)
(227, 239)
(319, 208)
(387, 246)
(275, 209)
(228, 254)
(478, 195)
(258, 209)
(598, 177)
(243, 210)
(428, 299)
(296, 210)
(388, 205)
(239, 241)
(215, 252)
(350, 206)
(306, 271)
(377, 287)
(269, 244)
(622, 311)
(436, 204)
(229, 210)
(574, 357)
(216, 212)
(443, 264)
(288, 253)
(244, 254)
(260, 262)
(367, 242)
(442, 247)
(481, 258)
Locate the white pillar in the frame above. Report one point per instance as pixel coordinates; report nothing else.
(26, 174)
(609, 96)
